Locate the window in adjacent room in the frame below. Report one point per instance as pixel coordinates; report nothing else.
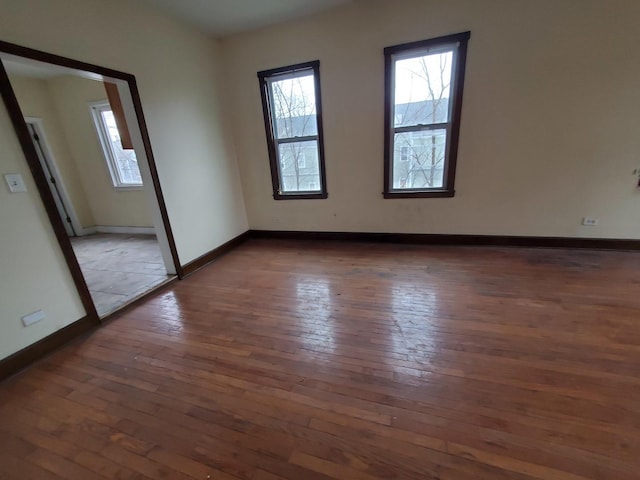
(122, 164)
(423, 98)
(293, 123)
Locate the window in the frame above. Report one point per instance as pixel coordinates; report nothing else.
(293, 123)
(423, 100)
(122, 164)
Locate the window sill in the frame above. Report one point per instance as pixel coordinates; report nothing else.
(420, 194)
(300, 196)
(129, 188)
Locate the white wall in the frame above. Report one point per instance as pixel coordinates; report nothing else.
(34, 273)
(63, 105)
(549, 125)
(110, 207)
(35, 101)
(178, 76)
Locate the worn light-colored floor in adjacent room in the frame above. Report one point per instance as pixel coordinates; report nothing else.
(119, 267)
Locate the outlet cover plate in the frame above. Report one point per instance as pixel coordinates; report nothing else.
(32, 318)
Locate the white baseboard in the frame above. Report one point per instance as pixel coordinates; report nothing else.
(118, 229)
(85, 231)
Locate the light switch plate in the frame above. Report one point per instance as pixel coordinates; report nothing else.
(15, 182)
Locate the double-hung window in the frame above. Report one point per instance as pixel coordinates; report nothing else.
(293, 122)
(423, 102)
(122, 164)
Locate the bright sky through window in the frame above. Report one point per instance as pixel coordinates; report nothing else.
(295, 96)
(123, 164)
(423, 78)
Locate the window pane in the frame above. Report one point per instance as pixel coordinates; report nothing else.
(295, 106)
(418, 159)
(422, 89)
(299, 176)
(125, 160)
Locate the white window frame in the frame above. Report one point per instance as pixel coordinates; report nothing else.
(109, 155)
(302, 160)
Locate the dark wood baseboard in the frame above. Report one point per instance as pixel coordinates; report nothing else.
(445, 239)
(207, 258)
(29, 355)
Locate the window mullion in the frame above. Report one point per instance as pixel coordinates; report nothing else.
(308, 138)
(421, 127)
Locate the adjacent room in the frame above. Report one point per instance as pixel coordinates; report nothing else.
(89, 159)
(320, 239)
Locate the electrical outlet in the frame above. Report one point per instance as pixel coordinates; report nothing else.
(32, 318)
(589, 221)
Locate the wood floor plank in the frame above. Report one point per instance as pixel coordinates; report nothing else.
(331, 360)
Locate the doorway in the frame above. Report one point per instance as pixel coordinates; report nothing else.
(84, 137)
(63, 205)
(113, 238)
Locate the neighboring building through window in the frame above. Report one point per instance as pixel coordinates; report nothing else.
(293, 121)
(404, 153)
(122, 164)
(423, 98)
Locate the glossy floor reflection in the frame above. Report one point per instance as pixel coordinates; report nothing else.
(323, 360)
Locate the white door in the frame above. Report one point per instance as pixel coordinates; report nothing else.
(47, 166)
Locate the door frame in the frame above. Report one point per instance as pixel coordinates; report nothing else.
(50, 160)
(24, 137)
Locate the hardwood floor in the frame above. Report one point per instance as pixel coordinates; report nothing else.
(309, 360)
